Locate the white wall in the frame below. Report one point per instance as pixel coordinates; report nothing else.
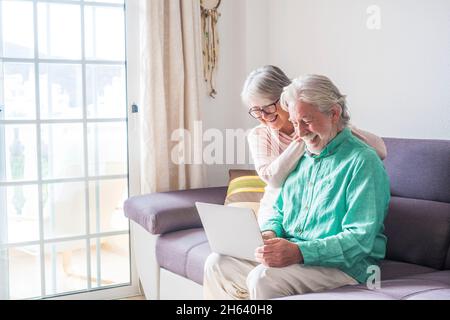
(244, 46)
(226, 110)
(397, 78)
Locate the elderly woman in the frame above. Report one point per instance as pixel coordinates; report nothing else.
(273, 144)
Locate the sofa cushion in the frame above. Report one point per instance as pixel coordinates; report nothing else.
(419, 169)
(185, 252)
(181, 252)
(196, 261)
(432, 294)
(394, 269)
(404, 287)
(440, 276)
(411, 287)
(424, 286)
(245, 189)
(344, 293)
(418, 232)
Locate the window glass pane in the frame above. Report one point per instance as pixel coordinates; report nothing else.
(103, 159)
(17, 29)
(22, 208)
(60, 91)
(64, 209)
(62, 151)
(106, 1)
(20, 152)
(106, 199)
(105, 33)
(59, 27)
(2, 89)
(110, 261)
(105, 91)
(65, 267)
(24, 272)
(19, 91)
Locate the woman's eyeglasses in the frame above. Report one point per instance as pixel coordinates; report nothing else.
(257, 112)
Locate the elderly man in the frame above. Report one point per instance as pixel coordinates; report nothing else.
(328, 228)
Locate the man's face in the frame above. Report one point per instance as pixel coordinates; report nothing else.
(315, 128)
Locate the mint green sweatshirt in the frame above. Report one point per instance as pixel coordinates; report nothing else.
(333, 206)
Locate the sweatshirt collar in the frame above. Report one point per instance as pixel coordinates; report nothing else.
(331, 147)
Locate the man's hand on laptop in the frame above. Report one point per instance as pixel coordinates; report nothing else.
(278, 253)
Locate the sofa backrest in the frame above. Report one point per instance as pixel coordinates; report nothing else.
(418, 222)
(418, 231)
(447, 263)
(419, 169)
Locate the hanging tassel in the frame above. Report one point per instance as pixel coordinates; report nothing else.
(210, 17)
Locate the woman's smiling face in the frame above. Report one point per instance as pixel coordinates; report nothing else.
(273, 115)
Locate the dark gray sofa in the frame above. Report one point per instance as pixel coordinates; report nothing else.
(417, 263)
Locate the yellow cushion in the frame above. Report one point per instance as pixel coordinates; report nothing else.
(245, 189)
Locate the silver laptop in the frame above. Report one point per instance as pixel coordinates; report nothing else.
(230, 230)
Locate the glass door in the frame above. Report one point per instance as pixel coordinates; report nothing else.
(63, 148)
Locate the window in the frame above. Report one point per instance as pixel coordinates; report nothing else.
(63, 148)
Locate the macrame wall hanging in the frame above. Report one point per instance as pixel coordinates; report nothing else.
(210, 17)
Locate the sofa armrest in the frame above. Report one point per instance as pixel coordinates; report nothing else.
(164, 212)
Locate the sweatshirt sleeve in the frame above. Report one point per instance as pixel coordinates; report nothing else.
(275, 222)
(272, 166)
(372, 140)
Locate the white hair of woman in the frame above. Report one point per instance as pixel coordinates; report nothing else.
(317, 90)
(266, 82)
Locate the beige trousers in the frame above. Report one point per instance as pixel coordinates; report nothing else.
(227, 278)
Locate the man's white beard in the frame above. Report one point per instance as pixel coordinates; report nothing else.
(308, 138)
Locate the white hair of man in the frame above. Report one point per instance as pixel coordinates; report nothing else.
(266, 82)
(317, 90)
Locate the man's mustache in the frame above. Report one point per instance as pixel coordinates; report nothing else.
(308, 137)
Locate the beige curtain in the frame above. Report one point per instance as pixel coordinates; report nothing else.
(171, 82)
